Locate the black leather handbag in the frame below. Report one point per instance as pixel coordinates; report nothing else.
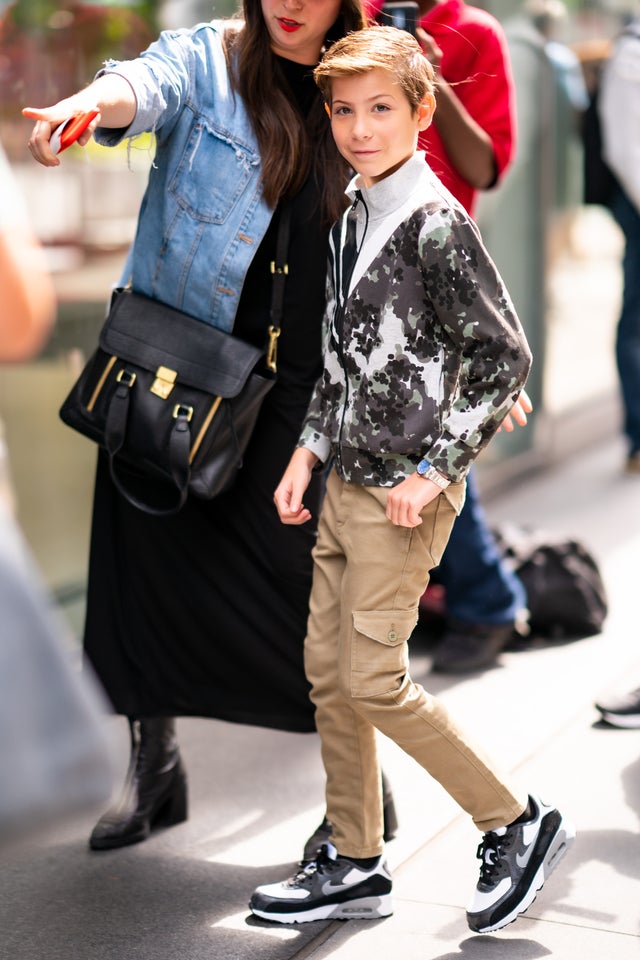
(172, 399)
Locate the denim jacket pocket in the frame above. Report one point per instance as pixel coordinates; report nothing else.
(209, 191)
(380, 654)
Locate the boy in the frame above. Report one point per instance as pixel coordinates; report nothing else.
(424, 357)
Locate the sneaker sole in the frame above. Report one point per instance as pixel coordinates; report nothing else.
(559, 846)
(367, 908)
(625, 722)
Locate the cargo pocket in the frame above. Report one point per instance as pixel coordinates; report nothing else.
(380, 655)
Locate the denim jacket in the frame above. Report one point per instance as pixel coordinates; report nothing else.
(203, 215)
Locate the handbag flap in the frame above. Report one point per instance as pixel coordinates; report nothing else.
(152, 334)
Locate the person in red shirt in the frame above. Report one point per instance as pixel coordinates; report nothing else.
(472, 139)
(472, 142)
(470, 145)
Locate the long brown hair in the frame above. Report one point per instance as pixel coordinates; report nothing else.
(290, 146)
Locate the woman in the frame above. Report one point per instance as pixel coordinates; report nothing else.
(204, 613)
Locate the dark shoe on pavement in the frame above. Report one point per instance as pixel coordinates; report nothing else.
(471, 646)
(155, 789)
(328, 888)
(622, 711)
(323, 832)
(515, 862)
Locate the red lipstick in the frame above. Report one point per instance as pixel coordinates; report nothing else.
(289, 26)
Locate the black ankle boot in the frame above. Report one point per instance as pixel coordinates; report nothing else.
(155, 789)
(322, 833)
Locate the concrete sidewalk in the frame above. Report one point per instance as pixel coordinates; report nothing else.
(257, 794)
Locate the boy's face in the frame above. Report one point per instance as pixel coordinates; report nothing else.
(372, 123)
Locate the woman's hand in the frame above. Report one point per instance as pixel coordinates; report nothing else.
(111, 95)
(49, 118)
(406, 501)
(291, 489)
(518, 413)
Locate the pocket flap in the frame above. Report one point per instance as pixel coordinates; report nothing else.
(152, 334)
(386, 626)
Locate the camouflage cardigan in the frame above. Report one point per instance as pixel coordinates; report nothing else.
(426, 355)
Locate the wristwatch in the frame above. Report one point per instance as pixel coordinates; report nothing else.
(424, 469)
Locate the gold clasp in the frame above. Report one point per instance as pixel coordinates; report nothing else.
(164, 382)
(272, 349)
(182, 410)
(126, 376)
(284, 269)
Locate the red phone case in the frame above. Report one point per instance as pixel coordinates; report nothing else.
(68, 132)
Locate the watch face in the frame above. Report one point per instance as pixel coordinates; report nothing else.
(423, 466)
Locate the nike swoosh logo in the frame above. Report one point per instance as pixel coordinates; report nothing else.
(330, 887)
(354, 876)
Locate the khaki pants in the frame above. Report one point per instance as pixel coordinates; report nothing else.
(368, 578)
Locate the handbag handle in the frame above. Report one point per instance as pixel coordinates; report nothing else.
(179, 447)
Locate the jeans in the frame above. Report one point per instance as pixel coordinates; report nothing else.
(628, 334)
(480, 587)
(367, 580)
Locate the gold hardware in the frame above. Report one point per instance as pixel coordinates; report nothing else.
(100, 383)
(203, 429)
(181, 409)
(274, 269)
(272, 349)
(131, 377)
(164, 382)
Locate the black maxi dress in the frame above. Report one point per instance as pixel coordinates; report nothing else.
(204, 613)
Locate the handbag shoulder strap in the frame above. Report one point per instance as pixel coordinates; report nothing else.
(279, 272)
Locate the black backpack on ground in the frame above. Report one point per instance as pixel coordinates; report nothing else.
(566, 596)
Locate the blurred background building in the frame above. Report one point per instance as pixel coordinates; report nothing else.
(560, 258)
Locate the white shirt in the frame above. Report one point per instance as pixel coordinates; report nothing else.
(619, 109)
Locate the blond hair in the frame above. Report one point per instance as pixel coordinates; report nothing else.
(378, 48)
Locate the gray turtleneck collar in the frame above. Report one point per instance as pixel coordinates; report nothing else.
(387, 195)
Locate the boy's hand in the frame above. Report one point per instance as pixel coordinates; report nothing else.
(518, 412)
(406, 501)
(290, 490)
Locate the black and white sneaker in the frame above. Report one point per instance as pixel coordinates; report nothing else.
(516, 861)
(622, 711)
(328, 888)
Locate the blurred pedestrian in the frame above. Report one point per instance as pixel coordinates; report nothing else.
(570, 102)
(55, 757)
(28, 299)
(619, 110)
(418, 375)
